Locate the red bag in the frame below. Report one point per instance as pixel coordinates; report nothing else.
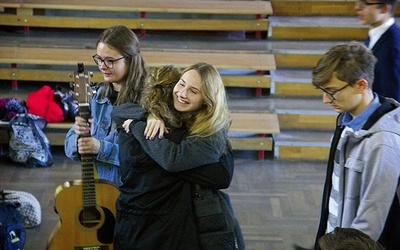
(43, 103)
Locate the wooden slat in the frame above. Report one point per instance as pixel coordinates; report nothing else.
(139, 23)
(316, 8)
(260, 123)
(59, 56)
(250, 81)
(319, 33)
(163, 6)
(241, 122)
(296, 60)
(296, 89)
(307, 121)
(303, 153)
(252, 143)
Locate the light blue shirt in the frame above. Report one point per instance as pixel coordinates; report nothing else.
(358, 122)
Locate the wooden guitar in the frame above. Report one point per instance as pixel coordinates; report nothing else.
(86, 207)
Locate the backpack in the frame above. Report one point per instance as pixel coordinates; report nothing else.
(28, 206)
(12, 233)
(28, 144)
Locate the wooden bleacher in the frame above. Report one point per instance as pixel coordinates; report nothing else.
(32, 13)
(36, 57)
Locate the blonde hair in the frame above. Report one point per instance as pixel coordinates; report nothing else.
(214, 113)
(157, 97)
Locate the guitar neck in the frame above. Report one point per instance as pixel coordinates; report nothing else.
(82, 93)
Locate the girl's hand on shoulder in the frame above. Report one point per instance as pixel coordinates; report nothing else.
(126, 124)
(154, 126)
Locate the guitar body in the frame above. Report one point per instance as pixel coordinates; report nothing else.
(74, 231)
(86, 207)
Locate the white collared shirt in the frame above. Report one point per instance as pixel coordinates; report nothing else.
(376, 33)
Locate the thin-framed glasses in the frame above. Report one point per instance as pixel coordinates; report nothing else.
(107, 62)
(365, 3)
(332, 94)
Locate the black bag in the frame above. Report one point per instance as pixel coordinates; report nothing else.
(28, 144)
(67, 102)
(215, 224)
(12, 233)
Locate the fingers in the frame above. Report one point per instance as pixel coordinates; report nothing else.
(81, 126)
(126, 124)
(88, 145)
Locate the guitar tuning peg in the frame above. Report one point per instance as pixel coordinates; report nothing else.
(71, 84)
(71, 75)
(91, 73)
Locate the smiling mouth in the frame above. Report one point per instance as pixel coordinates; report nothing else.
(180, 100)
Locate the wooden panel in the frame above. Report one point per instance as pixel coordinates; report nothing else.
(148, 24)
(252, 143)
(299, 61)
(303, 153)
(307, 121)
(250, 81)
(319, 33)
(164, 6)
(261, 123)
(316, 8)
(66, 56)
(296, 89)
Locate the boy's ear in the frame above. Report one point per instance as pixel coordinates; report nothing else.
(386, 8)
(362, 84)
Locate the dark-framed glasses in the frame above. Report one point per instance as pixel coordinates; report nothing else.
(366, 3)
(332, 94)
(107, 62)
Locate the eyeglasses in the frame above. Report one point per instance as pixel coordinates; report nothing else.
(107, 62)
(365, 3)
(331, 94)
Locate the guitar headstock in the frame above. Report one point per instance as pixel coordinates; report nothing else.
(82, 89)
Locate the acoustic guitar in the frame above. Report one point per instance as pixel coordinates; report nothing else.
(86, 207)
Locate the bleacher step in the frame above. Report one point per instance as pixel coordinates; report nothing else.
(302, 145)
(293, 83)
(316, 28)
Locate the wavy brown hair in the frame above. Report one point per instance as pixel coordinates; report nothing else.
(157, 97)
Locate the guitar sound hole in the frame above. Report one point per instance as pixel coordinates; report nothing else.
(90, 217)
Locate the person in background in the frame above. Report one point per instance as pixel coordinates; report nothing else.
(119, 60)
(155, 206)
(348, 239)
(384, 41)
(363, 166)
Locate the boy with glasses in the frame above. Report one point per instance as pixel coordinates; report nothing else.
(364, 161)
(384, 41)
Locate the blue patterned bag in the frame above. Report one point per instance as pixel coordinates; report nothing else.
(28, 143)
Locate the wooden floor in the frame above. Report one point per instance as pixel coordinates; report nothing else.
(276, 202)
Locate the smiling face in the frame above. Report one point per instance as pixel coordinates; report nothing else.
(118, 73)
(188, 92)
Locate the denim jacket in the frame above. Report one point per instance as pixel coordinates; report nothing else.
(103, 129)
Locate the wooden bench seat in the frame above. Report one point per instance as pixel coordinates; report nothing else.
(29, 13)
(264, 124)
(68, 56)
(17, 55)
(316, 8)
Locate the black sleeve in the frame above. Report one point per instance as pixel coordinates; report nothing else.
(215, 175)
